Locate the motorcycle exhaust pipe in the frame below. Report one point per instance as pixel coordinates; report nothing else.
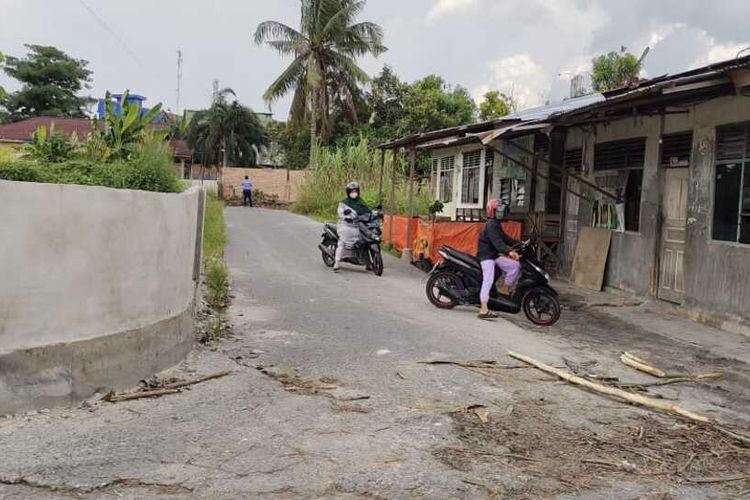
(327, 250)
(450, 293)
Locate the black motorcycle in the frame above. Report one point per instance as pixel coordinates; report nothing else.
(365, 252)
(458, 278)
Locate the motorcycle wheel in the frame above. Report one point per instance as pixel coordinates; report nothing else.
(327, 259)
(446, 280)
(376, 263)
(542, 308)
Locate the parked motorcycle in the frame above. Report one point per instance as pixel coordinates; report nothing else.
(457, 280)
(364, 252)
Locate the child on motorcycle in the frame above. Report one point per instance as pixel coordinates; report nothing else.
(496, 249)
(349, 210)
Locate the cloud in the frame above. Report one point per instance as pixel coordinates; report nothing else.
(443, 7)
(518, 76)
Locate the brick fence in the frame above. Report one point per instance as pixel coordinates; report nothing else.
(271, 181)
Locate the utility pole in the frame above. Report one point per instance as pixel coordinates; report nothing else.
(179, 81)
(215, 84)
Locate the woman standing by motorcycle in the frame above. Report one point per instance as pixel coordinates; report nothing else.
(348, 230)
(496, 249)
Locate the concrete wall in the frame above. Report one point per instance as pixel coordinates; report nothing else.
(280, 182)
(717, 276)
(96, 290)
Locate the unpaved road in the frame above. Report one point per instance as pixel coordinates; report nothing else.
(327, 398)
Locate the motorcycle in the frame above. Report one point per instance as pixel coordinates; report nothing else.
(458, 278)
(364, 252)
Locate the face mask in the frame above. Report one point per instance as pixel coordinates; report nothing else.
(354, 195)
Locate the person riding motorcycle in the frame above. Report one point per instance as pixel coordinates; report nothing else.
(348, 229)
(496, 249)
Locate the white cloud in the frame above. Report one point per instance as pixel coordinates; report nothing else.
(518, 76)
(443, 7)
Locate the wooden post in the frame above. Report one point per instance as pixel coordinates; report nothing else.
(382, 172)
(406, 254)
(393, 195)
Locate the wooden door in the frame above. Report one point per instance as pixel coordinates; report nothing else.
(672, 252)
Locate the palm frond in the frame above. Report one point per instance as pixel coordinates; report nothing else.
(292, 76)
(274, 29)
(349, 10)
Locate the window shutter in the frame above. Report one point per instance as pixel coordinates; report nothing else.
(675, 149)
(628, 153)
(573, 160)
(731, 143)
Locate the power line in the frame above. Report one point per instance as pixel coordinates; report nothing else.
(104, 25)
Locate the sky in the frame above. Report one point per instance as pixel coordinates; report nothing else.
(527, 48)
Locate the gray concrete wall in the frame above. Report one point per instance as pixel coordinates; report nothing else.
(632, 255)
(85, 265)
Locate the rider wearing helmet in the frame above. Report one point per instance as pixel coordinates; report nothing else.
(496, 249)
(349, 209)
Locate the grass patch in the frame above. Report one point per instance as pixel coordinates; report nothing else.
(216, 272)
(333, 167)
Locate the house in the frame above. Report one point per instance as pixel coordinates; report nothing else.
(663, 164)
(16, 134)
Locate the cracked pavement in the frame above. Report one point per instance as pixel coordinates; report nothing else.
(341, 408)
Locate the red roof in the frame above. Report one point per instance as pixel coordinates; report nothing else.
(24, 129)
(180, 148)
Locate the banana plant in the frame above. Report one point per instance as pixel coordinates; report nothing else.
(122, 131)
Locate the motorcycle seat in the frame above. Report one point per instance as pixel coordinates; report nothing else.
(462, 256)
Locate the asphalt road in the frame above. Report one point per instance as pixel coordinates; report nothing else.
(328, 398)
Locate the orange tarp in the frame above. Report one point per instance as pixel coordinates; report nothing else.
(430, 236)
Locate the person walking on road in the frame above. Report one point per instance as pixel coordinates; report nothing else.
(247, 192)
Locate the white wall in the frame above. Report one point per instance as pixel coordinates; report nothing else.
(80, 262)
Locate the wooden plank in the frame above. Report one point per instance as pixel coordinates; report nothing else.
(591, 257)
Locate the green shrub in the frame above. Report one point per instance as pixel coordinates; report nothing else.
(20, 170)
(332, 168)
(149, 168)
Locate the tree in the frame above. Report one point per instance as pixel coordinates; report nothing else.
(431, 104)
(325, 49)
(613, 71)
(227, 133)
(51, 81)
(387, 102)
(494, 105)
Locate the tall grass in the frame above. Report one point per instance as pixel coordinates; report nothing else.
(214, 240)
(333, 167)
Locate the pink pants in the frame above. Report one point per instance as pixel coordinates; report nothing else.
(511, 268)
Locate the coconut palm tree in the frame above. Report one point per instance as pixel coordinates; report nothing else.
(325, 49)
(226, 133)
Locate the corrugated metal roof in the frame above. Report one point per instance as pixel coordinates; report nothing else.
(543, 112)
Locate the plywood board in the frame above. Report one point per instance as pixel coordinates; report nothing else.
(591, 257)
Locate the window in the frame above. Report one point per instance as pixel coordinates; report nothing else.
(573, 160)
(489, 161)
(630, 153)
(446, 178)
(626, 156)
(513, 192)
(470, 177)
(676, 149)
(731, 220)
